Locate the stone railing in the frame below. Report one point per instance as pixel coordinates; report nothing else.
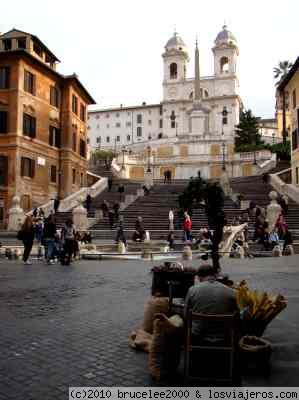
(230, 233)
(287, 189)
(267, 165)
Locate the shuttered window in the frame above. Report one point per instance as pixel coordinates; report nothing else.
(29, 125)
(3, 122)
(27, 167)
(29, 82)
(54, 137)
(4, 77)
(3, 170)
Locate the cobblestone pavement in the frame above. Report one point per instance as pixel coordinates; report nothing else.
(67, 326)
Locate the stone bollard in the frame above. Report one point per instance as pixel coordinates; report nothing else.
(121, 248)
(273, 210)
(80, 217)
(16, 215)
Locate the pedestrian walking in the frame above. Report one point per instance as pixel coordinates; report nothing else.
(49, 238)
(26, 234)
(111, 218)
(56, 204)
(68, 236)
(165, 176)
(116, 207)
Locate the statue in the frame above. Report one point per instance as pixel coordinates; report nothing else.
(16, 215)
(273, 210)
(80, 216)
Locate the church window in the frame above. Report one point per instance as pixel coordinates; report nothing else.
(294, 98)
(139, 118)
(224, 65)
(206, 93)
(139, 131)
(172, 119)
(173, 68)
(161, 123)
(118, 138)
(107, 139)
(224, 115)
(191, 96)
(117, 124)
(98, 139)
(160, 135)
(117, 115)
(128, 124)
(149, 121)
(128, 138)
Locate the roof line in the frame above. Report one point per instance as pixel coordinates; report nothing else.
(289, 75)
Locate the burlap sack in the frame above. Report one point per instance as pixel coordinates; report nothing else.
(276, 252)
(140, 340)
(155, 305)
(165, 348)
(289, 250)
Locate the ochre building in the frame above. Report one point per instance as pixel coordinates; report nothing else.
(43, 136)
(289, 88)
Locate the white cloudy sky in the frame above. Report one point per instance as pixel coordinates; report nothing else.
(115, 46)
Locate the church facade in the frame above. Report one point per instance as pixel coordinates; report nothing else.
(192, 128)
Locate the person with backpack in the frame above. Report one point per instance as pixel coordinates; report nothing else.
(68, 238)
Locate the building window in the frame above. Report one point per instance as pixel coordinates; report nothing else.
(4, 77)
(297, 176)
(22, 43)
(160, 110)
(3, 170)
(54, 136)
(160, 135)
(128, 124)
(75, 104)
(173, 71)
(117, 115)
(118, 138)
(294, 98)
(29, 82)
(74, 176)
(97, 116)
(117, 124)
(7, 44)
(139, 131)
(128, 138)
(29, 125)
(3, 122)
(107, 115)
(37, 49)
(82, 148)
(53, 174)
(107, 126)
(27, 167)
(149, 122)
(54, 96)
(81, 179)
(224, 66)
(82, 112)
(139, 119)
(107, 139)
(74, 141)
(161, 123)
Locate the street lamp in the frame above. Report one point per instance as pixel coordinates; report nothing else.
(123, 150)
(148, 159)
(273, 137)
(223, 157)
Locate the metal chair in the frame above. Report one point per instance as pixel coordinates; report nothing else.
(212, 347)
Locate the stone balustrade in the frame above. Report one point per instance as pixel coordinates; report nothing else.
(289, 190)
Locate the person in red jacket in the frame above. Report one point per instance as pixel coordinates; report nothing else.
(187, 227)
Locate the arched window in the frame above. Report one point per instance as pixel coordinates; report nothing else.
(173, 69)
(224, 65)
(191, 96)
(206, 93)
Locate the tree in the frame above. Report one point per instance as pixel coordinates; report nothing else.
(247, 132)
(280, 72)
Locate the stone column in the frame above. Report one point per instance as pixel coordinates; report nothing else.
(80, 217)
(273, 210)
(16, 215)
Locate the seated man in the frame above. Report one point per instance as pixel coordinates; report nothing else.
(209, 297)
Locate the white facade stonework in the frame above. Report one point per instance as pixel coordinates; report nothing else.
(139, 126)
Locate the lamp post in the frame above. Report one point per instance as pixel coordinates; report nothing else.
(273, 137)
(148, 159)
(223, 157)
(123, 150)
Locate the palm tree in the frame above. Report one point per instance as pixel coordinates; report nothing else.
(280, 72)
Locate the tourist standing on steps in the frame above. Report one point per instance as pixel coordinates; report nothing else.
(111, 218)
(121, 190)
(116, 208)
(120, 236)
(187, 226)
(88, 202)
(56, 204)
(110, 183)
(49, 238)
(27, 237)
(171, 219)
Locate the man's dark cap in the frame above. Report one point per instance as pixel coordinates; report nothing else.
(205, 270)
